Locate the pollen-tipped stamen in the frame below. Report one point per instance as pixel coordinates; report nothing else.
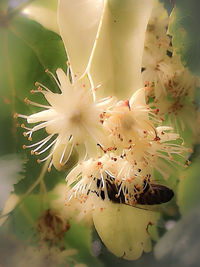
(55, 79)
(29, 102)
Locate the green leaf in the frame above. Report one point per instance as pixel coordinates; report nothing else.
(3, 7)
(188, 188)
(168, 5)
(24, 42)
(22, 224)
(31, 173)
(10, 166)
(80, 237)
(184, 28)
(180, 246)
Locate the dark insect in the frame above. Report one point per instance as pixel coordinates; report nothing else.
(149, 194)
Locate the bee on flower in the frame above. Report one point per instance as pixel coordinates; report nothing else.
(108, 178)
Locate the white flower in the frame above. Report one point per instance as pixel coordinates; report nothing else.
(158, 70)
(157, 26)
(129, 121)
(71, 119)
(183, 84)
(161, 153)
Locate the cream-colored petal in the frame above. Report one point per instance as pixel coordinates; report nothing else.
(124, 229)
(138, 98)
(64, 81)
(44, 12)
(44, 115)
(117, 59)
(78, 23)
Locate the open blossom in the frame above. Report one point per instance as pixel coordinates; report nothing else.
(157, 69)
(129, 121)
(157, 25)
(109, 178)
(101, 186)
(71, 119)
(162, 153)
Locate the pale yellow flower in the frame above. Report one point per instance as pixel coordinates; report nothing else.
(72, 119)
(129, 121)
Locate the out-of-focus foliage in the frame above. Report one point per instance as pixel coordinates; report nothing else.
(188, 188)
(184, 28)
(10, 166)
(39, 227)
(180, 246)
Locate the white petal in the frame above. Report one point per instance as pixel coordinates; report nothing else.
(138, 98)
(78, 22)
(64, 81)
(117, 60)
(44, 115)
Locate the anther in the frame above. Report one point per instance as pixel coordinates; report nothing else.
(24, 146)
(24, 134)
(26, 101)
(38, 161)
(15, 115)
(22, 125)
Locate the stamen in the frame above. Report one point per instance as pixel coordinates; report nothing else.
(22, 116)
(63, 153)
(43, 86)
(46, 148)
(92, 86)
(27, 101)
(42, 142)
(50, 165)
(50, 155)
(38, 127)
(119, 190)
(55, 79)
(15, 115)
(102, 179)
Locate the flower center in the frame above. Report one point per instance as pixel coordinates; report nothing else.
(127, 122)
(76, 117)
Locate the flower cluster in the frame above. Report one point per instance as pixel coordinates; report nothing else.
(118, 143)
(171, 85)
